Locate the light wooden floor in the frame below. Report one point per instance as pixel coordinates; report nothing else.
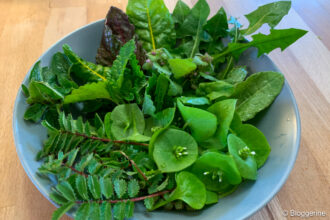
(29, 27)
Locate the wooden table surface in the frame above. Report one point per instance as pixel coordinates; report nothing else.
(29, 27)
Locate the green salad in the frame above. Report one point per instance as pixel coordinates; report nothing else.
(161, 116)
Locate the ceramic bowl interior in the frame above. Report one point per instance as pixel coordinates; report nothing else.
(280, 124)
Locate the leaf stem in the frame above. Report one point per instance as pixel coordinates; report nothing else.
(107, 140)
(76, 171)
(135, 165)
(136, 199)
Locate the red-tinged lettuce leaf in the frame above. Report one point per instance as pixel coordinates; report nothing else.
(117, 31)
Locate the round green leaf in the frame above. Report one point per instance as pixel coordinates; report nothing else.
(246, 163)
(203, 124)
(174, 150)
(216, 171)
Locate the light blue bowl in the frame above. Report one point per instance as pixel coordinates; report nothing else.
(280, 123)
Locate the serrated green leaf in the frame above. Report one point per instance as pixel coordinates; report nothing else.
(107, 124)
(80, 125)
(106, 212)
(119, 211)
(149, 202)
(72, 156)
(133, 188)
(120, 186)
(84, 162)
(62, 210)
(106, 187)
(56, 197)
(94, 186)
(95, 211)
(62, 121)
(66, 190)
(129, 209)
(83, 212)
(81, 187)
(271, 14)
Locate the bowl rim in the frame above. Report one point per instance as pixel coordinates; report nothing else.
(252, 211)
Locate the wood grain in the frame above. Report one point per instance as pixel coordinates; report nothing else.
(29, 27)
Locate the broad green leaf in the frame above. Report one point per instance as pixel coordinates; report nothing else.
(174, 150)
(253, 138)
(106, 187)
(66, 190)
(211, 197)
(25, 90)
(133, 188)
(164, 118)
(43, 92)
(215, 90)
(265, 43)
(62, 210)
(243, 157)
(83, 212)
(119, 211)
(193, 24)
(56, 197)
(174, 88)
(202, 124)
(198, 101)
(95, 211)
(94, 186)
(106, 212)
(189, 189)
(271, 14)
(256, 93)
(81, 187)
(224, 111)
(236, 75)
(89, 91)
(217, 26)
(35, 112)
(83, 70)
(181, 67)
(120, 186)
(215, 170)
(180, 12)
(128, 123)
(153, 23)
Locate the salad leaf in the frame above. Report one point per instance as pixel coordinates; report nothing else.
(95, 90)
(203, 124)
(254, 139)
(193, 24)
(236, 75)
(215, 170)
(271, 14)
(257, 93)
(211, 197)
(243, 157)
(153, 23)
(117, 31)
(128, 123)
(215, 90)
(224, 110)
(217, 26)
(174, 150)
(181, 67)
(194, 100)
(42, 92)
(189, 189)
(60, 65)
(35, 112)
(265, 43)
(180, 12)
(83, 70)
